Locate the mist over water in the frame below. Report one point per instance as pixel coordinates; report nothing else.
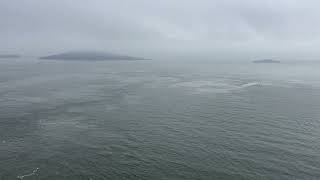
(198, 110)
(159, 120)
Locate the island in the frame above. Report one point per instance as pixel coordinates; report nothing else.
(266, 61)
(90, 56)
(9, 56)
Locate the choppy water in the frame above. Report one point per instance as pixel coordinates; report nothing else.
(159, 120)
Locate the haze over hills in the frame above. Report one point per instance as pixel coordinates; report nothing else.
(9, 56)
(90, 56)
(266, 61)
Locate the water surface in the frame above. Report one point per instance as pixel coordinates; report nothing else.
(159, 120)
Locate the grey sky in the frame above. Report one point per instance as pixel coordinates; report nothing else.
(214, 28)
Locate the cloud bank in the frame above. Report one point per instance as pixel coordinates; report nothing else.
(228, 29)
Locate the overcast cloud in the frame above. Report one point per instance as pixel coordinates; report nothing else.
(287, 29)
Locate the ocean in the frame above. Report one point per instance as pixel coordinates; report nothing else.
(160, 119)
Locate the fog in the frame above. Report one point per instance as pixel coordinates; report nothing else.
(214, 29)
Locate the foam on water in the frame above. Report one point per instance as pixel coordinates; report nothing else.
(250, 84)
(215, 86)
(34, 172)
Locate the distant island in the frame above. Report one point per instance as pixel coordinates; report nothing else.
(9, 56)
(90, 56)
(266, 61)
